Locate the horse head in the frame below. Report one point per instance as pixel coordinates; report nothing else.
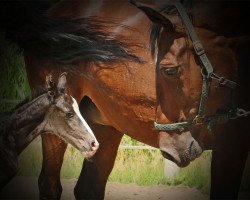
(63, 118)
(186, 90)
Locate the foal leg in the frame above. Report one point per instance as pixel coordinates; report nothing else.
(93, 178)
(49, 179)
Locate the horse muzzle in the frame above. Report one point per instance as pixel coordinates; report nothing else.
(180, 148)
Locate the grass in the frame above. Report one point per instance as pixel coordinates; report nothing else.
(143, 167)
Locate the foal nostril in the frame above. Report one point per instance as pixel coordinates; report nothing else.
(94, 145)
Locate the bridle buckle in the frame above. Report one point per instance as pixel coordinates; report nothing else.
(198, 120)
(199, 50)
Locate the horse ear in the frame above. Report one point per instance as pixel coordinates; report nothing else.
(62, 82)
(154, 15)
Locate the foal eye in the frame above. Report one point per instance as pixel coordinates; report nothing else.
(69, 114)
(170, 71)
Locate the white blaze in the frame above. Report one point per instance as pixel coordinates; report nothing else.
(85, 124)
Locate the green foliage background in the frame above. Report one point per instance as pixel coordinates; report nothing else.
(13, 78)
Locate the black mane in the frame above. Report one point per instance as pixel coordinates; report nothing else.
(63, 41)
(155, 28)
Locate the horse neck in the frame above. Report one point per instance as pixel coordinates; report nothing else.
(217, 16)
(24, 124)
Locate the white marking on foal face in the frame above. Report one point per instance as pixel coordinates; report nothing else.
(85, 124)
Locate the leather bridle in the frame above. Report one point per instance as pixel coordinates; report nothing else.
(208, 74)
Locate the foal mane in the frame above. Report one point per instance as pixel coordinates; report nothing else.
(4, 116)
(36, 93)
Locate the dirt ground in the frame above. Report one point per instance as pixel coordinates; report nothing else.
(26, 188)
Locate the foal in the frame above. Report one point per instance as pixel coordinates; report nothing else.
(54, 112)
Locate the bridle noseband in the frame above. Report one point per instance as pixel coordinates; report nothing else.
(208, 74)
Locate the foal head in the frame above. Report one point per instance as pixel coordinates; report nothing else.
(63, 118)
(179, 83)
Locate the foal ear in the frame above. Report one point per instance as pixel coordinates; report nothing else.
(62, 82)
(154, 15)
(49, 82)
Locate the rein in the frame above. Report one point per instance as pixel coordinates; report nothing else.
(207, 76)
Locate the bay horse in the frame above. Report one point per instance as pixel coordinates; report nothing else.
(52, 111)
(196, 79)
(109, 74)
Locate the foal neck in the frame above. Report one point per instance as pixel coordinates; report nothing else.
(22, 125)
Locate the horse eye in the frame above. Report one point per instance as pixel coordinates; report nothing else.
(170, 71)
(69, 115)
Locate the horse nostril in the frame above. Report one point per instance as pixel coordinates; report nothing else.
(190, 148)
